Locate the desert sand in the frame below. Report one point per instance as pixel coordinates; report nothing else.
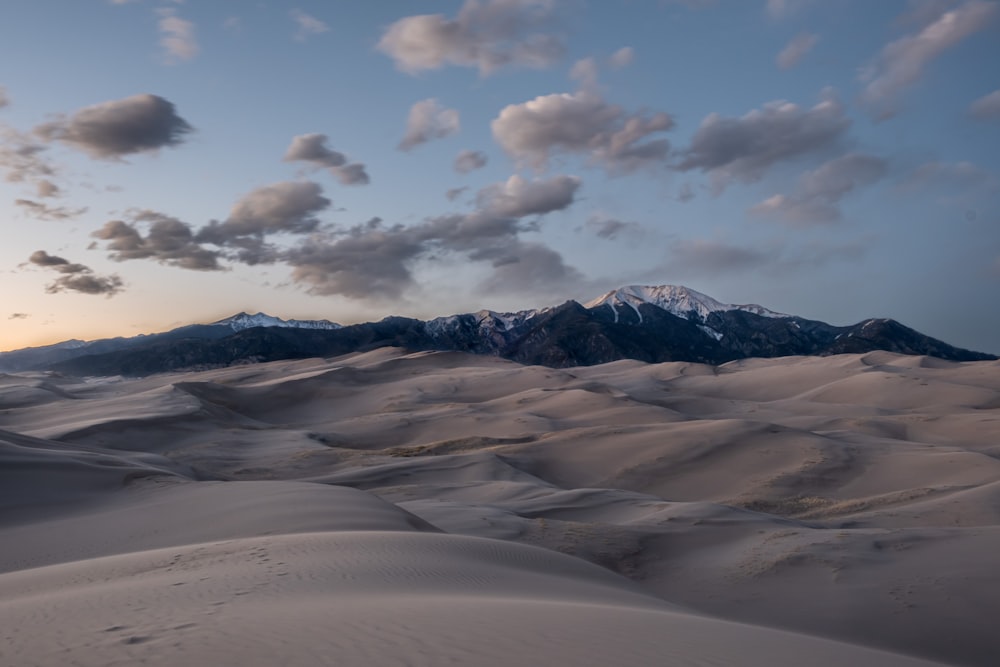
(389, 508)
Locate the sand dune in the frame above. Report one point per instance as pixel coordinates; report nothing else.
(393, 508)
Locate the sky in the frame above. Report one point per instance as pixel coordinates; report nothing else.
(165, 162)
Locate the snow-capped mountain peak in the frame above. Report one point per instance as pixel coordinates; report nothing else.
(242, 321)
(675, 299)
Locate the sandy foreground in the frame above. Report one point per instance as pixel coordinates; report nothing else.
(444, 509)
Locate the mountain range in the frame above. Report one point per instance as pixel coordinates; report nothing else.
(647, 323)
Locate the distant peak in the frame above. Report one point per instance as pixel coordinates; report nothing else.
(243, 320)
(675, 299)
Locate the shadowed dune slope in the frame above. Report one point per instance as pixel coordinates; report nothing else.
(433, 507)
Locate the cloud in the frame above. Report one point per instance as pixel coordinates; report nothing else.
(581, 123)
(960, 179)
(487, 35)
(820, 190)
(307, 25)
(4, 100)
(744, 148)
(454, 193)
(176, 36)
(781, 9)
(18, 316)
(42, 211)
(369, 261)
(428, 120)
(685, 193)
(902, 62)
(517, 197)
(796, 50)
(168, 241)
(75, 277)
(375, 261)
(21, 158)
(289, 207)
(530, 267)
(700, 257)
(585, 71)
(986, 107)
(611, 228)
(46, 188)
(312, 149)
(110, 130)
(623, 57)
(467, 161)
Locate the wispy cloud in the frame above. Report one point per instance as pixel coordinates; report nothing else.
(176, 36)
(307, 25)
(901, 63)
(796, 50)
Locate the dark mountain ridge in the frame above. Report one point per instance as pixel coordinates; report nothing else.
(652, 324)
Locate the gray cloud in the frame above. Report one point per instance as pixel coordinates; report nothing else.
(820, 190)
(744, 148)
(796, 50)
(368, 262)
(454, 193)
(486, 35)
(4, 100)
(517, 197)
(43, 211)
(18, 316)
(685, 193)
(176, 36)
(168, 241)
(428, 120)
(113, 129)
(467, 161)
(376, 261)
(530, 267)
(46, 188)
(307, 25)
(986, 107)
(711, 258)
(286, 207)
(611, 228)
(961, 179)
(75, 277)
(902, 62)
(22, 158)
(312, 149)
(581, 123)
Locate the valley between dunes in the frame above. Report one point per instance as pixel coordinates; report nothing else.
(388, 508)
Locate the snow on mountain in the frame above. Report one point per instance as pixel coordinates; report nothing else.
(675, 299)
(242, 321)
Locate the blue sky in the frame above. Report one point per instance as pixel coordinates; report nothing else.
(167, 162)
